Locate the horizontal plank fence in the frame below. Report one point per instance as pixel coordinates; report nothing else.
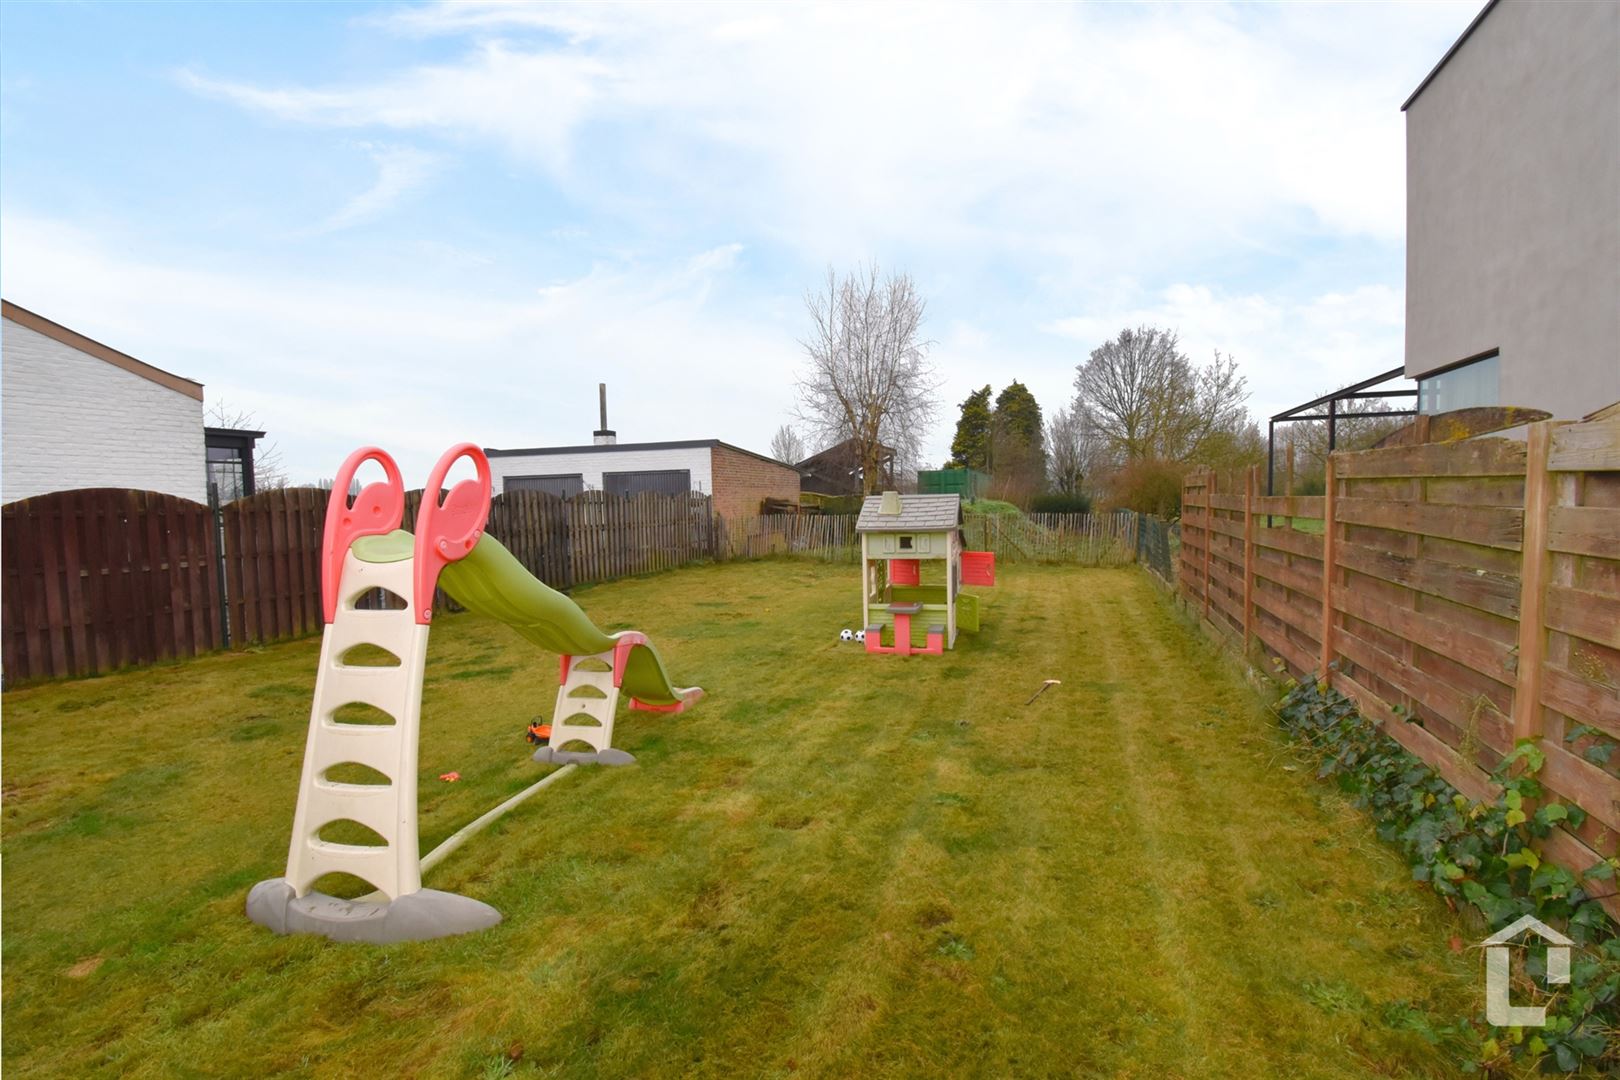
(1465, 594)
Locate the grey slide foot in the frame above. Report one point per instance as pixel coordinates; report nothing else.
(417, 916)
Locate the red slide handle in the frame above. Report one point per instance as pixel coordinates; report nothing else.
(446, 532)
(379, 508)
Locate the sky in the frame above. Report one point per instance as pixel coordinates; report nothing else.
(414, 225)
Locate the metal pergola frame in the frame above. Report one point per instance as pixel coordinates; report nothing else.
(1349, 393)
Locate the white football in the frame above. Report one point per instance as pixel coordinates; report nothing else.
(860, 635)
(846, 635)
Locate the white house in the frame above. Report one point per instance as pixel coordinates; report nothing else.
(739, 480)
(75, 413)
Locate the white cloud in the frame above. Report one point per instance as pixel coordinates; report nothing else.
(330, 364)
(1041, 167)
(401, 170)
(1085, 134)
(1290, 351)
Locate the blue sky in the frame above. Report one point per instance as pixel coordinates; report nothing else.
(413, 225)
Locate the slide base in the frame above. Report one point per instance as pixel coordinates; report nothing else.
(418, 916)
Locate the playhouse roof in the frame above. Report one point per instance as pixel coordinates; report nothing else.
(918, 513)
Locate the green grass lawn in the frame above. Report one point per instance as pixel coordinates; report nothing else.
(836, 865)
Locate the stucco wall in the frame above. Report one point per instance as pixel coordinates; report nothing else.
(592, 464)
(1513, 206)
(70, 420)
(742, 481)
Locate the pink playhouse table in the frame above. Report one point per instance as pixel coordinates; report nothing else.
(902, 633)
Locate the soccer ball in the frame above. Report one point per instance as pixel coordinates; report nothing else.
(846, 635)
(860, 635)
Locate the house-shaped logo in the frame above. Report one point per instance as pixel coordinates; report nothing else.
(1498, 1009)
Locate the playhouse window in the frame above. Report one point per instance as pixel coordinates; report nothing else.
(905, 543)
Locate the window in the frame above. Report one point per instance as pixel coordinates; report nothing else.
(562, 485)
(1466, 386)
(226, 473)
(657, 481)
(905, 543)
(229, 453)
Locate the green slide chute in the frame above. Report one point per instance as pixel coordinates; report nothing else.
(490, 581)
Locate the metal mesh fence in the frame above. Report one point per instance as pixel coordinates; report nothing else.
(1155, 539)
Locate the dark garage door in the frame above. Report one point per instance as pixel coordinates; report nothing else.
(562, 485)
(657, 481)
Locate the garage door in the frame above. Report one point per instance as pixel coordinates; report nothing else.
(657, 481)
(562, 485)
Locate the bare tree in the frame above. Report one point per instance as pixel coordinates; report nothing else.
(869, 380)
(786, 446)
(268, 470)
(1066, 451)
(1145, 398)
(1310, 438)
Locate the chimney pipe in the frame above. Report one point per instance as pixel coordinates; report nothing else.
(602, 436)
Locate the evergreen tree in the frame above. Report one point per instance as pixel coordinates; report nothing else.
(971, 446)
(1018, 416)
(1018, 444)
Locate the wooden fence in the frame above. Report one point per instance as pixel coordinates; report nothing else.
(97, 580)
(1107, 539)
(1078, 539)
(102, 578)
(1472, 599)
(830, 537)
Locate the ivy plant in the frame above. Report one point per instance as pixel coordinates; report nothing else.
(1483, 854)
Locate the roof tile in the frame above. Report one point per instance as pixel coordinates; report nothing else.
(918, 513)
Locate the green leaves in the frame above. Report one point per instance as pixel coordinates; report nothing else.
(1523, 857)
(1600, 750)
(1483, 853)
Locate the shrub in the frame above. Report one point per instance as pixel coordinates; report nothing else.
(1060, 503)
(1150, 486)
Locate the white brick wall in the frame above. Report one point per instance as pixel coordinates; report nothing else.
(591, 465)
(70, 420)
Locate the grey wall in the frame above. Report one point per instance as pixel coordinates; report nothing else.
(1513, 206)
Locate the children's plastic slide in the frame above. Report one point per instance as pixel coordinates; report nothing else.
(490, 581)
(364, 550)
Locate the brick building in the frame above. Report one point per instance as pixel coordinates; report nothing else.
(737, 479)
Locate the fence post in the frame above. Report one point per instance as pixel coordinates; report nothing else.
(219, 565)
(1248, 556)
(1209, 532)
(1329, 557)
(1533, 584)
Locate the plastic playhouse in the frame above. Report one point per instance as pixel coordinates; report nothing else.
(364, 549)
(899, 535)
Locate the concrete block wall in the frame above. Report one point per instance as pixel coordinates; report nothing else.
(1512, 193)
(71, 420)
(742, 481)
